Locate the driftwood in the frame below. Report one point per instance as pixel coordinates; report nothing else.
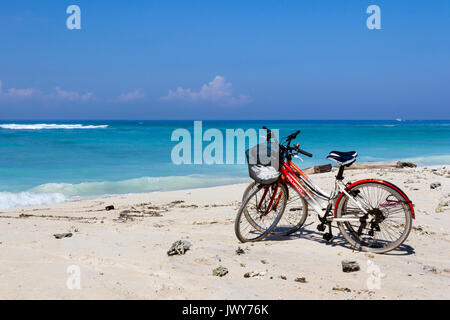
(322, 168)
(363, 165)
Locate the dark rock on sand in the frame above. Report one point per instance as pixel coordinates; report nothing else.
(179, 247)
(350, 266)
(108, 208)
(300, 279)
(407, 164)
(62, 235)
(435, 185)
(220, 271)
(342, 289)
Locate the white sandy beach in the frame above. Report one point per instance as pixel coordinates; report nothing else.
(125, 258)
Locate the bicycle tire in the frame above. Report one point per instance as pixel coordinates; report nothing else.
(363, 242)
(259, 233)
(287, 224)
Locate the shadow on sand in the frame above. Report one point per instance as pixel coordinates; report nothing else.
(338, 240)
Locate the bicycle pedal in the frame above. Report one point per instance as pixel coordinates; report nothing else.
(327, 236)
(321, 227)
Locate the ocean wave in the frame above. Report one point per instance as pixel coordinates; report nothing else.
(430, 160)
(59, 192)
(138, 185)
(22, 199)
(41, 126)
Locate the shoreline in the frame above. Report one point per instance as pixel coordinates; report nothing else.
(123, 256)
(373, 165)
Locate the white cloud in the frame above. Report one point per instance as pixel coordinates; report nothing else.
(20, 93)
(217, 91)
(131, 96)
(58, 94)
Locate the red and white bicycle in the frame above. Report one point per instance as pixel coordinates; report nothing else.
(372, 215)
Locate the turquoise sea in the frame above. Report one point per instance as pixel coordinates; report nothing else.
(52, 161)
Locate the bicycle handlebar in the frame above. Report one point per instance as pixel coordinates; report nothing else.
(306, 153)
(292, 136)
(289, 138)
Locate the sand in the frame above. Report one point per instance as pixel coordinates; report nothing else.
(125, 257)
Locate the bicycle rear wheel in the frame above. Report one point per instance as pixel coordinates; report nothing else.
(259, 214)
(294, 215)
(387, 224)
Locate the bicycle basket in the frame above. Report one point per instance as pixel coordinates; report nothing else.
(263, 164)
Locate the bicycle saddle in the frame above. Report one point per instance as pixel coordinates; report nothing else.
(343, 158)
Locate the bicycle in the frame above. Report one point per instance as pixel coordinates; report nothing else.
(366, 211)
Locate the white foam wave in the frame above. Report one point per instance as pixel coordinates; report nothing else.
(430, 160)
(59, 192)
(41, 126)
(13, 200)
(138, 185)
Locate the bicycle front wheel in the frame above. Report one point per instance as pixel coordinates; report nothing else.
(260, 212)
(294, 215)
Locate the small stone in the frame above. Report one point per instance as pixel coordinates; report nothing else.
(220, 271)
(239, 251)
(62, 235)
(435, 185)
(253, 274)
(342, 289)
(431, 269)
(350, 266)
(108, 208)
(300, 279)
(264, 262)
(179, 247)
(444, 203)
(73, 229)
(283, 277)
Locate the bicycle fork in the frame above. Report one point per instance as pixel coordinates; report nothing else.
(272, 198)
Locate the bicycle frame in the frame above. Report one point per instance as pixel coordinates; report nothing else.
(319, 200)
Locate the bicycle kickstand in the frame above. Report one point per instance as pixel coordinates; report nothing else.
(323, 221)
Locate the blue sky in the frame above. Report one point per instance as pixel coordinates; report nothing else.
(225, 60)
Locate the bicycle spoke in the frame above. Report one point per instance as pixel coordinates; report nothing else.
(386, 221)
